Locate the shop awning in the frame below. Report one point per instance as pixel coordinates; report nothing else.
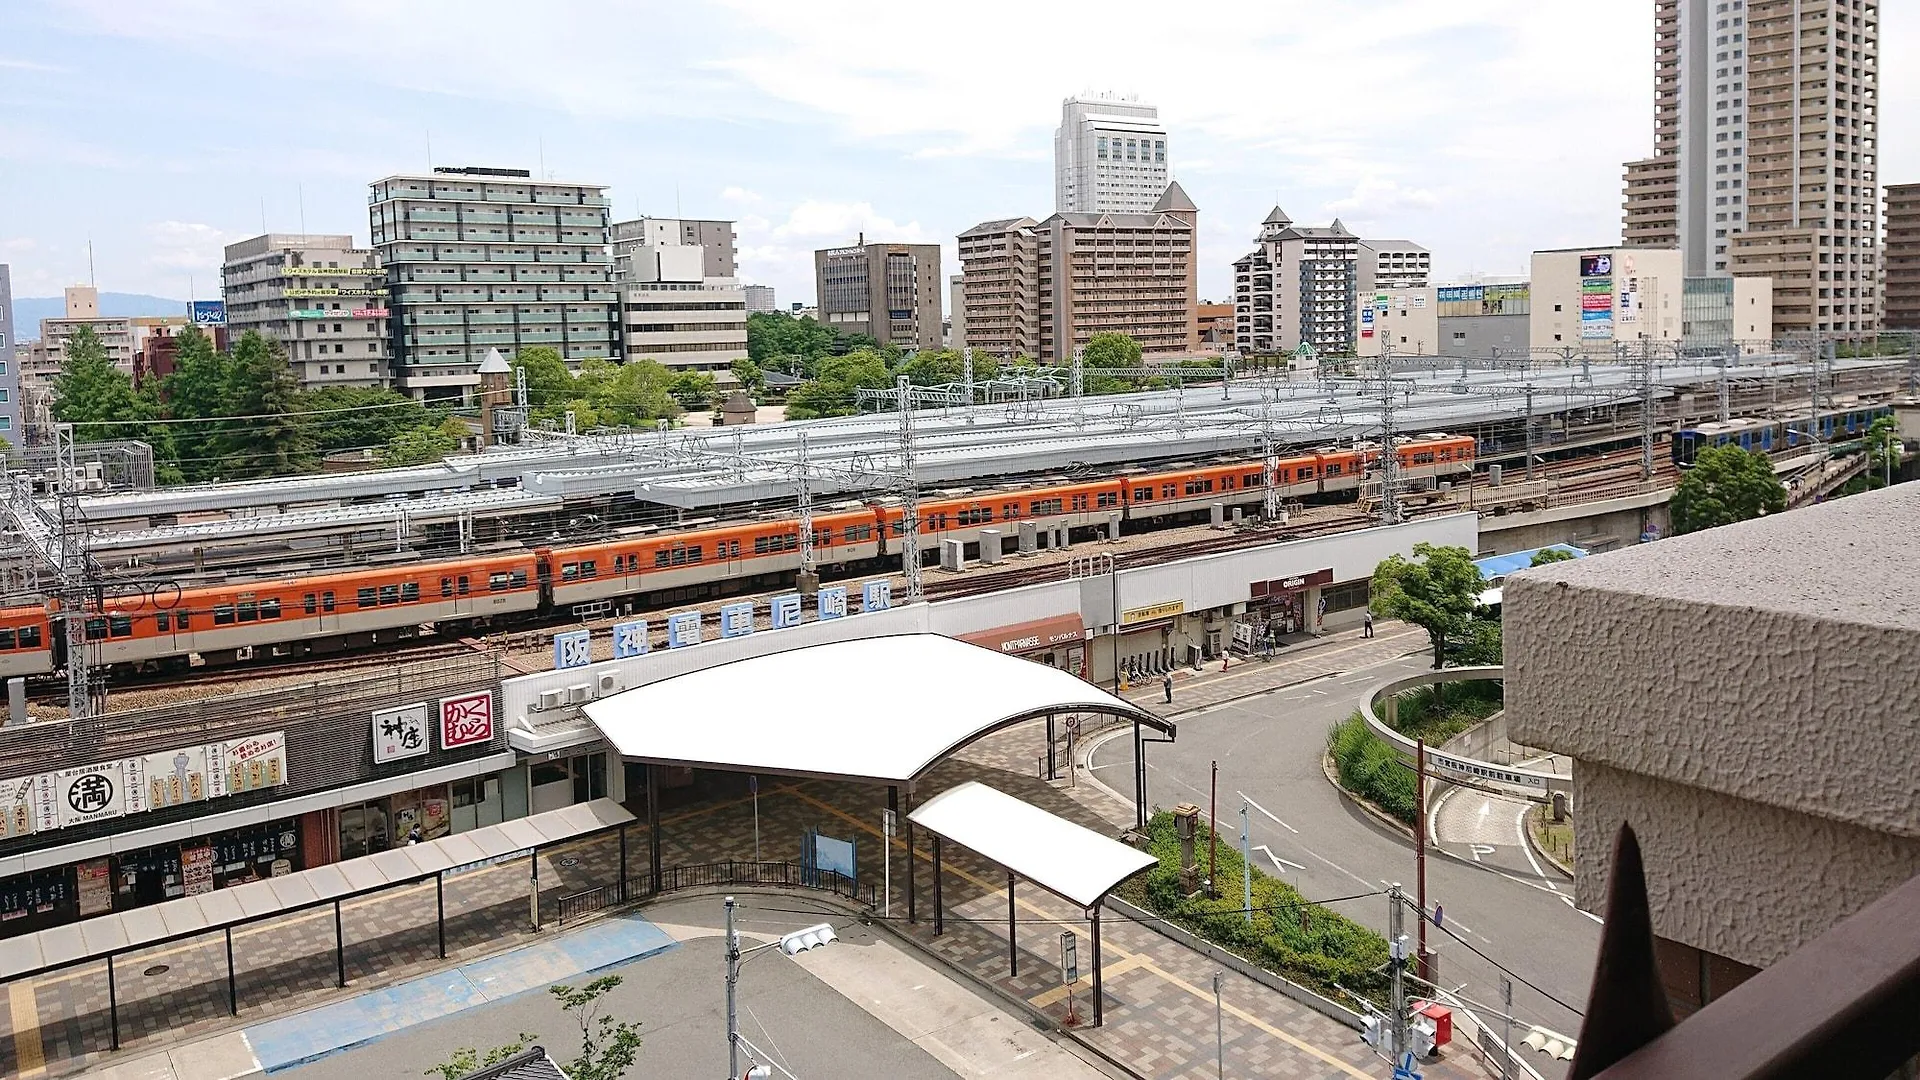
(1031, 636)
(105, 935)
(1071, 861)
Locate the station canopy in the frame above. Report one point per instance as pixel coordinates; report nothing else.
(1071, 861)
(881, 709)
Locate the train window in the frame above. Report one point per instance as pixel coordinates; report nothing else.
(519, 579)
(270, 608)
(1047, 506)
(179, 621)
(495, 583)
(1198, 486)
(96, 629)
(569, 571)
(587, 568)
(364, 598)
(1168, 491)
(856, 533)
(1306, 471)
(732, 550)
(1108, 498)
(29, 637)
(1226, 483)
(1144, 494)
(662, 557)
(823, 538)
(761, 544)
(119, 626)
(389, 594)
(1079, 502)
(409, 594)
(247, 612)
(326, 604)
(446, 588)
(1252, 479)
(223, 615)
(1423, 459)
(309, 603)
(1009, 511)
(6, 638)
(160, 621)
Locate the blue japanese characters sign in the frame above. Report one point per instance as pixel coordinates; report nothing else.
(629, 639)
(573, 649)
(876, 596)
(683, 628)
(833, 602)
(786, 611)
(736, 620)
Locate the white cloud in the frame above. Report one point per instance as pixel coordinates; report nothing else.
(188, 246)
(736, 194)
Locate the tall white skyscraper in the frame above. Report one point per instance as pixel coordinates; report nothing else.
(1109, 156)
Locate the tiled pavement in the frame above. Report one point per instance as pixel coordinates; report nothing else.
(1158, 994)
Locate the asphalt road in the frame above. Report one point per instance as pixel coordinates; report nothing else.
(1270, 749)
(679, 998)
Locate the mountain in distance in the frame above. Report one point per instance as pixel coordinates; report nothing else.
(29, 310)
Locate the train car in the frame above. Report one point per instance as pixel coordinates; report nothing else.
(1775, 434)
(634, 566)
(1078, 505)
(26, 642)
(221, 624)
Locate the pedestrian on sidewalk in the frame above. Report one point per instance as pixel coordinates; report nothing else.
(1166, 686)
(1366, 625)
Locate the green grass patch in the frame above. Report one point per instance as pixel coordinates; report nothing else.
(1375, 771)
(1301, 941)
(1460, 706)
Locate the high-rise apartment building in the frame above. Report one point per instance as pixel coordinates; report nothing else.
(120, 335)
(1766, 151)
(1298, 285)
(1109, 156)
(889, 292)
(1044, 288)
(760, 298)
(321, 297)
(1901, 269)
(10, 414)
(1393, 264)
(715, 241)
(481, 259)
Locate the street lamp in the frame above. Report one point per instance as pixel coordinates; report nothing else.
(793, 944)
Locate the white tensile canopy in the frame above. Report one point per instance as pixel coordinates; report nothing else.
(1071, 861)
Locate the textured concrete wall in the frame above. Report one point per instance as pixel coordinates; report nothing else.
(1745, 696)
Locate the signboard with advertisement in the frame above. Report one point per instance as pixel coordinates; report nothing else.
(176, 777)
(256, 763)
(370, 313)
(95, 887)
(1596, 308)
(88, 793)
(333, 292)
(466, 720)
(196, 870)
(308, 313)
(208, 312)
(1592, 266)
(400, 733)
(1150, 612)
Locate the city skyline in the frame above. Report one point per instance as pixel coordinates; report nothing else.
(1471, 128)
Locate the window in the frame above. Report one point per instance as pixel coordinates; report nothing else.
(119, 626)
(1143, 494)
(389, 594)
(309, 603)
(446, 587)
(496, 582)
(270, 608)
(1108, 498)
(160, 621)
(409, 593)
(365, 598)
(96, 629)
(326, 604)
(248, 612)
(6, 638)
(854, 534)
(223, 615)
(30, 636)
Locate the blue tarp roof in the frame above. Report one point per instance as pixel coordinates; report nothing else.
(1500, 566)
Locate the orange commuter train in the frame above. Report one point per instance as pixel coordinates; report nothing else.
(348, 609)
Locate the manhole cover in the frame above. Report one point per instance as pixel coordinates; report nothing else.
(157, 969)
(569, 860)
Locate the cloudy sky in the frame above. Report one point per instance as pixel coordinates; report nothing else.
(1484, 129)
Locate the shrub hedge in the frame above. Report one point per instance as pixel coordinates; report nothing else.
(1371, 769)
(1301, 941)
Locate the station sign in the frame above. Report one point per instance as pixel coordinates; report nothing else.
(785, 611)
(683, 629)
(736, 620)
(572, 649)
(630, 639)
(831, 602)
(876, 596)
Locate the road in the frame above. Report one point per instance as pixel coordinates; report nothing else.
(1270, 749)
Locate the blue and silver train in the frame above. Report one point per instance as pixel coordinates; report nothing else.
(1770, 434)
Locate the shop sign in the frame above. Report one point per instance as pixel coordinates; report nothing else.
(88, 793)
(95, 887)
(308, 313)
(335, 271)
(1152, 611)
(466, 720)
(332, 292)
(1032, 636)
(16, 803)
(256, 763)
(400, 733)
(370, 313)
(736, 620)
(1296, 583)
(177, 777)
(196, 870)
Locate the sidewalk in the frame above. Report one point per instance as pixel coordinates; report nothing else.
(1328, 654)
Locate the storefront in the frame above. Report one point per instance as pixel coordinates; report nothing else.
(563, 780)
(1146, 645)
(375, 825)
(1281, 607)
(1059, 642)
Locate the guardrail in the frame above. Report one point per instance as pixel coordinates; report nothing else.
(748, 872)
(1530, 783)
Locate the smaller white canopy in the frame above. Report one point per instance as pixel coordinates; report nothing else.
(1071, 861)
(882, 709)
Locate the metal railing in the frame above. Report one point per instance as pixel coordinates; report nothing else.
(774, 874)
(586, 901)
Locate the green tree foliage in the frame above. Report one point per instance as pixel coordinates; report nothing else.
(935, 367)
(832, 390)
(775, 335)
(1725, 485)
(750, 376)
(692, 389)
(1436, 590)
(607, 1046)
(352, 418)
(602, 394)
(424, 445)
(275, 439)
(1109, 351)
(1884, 451)
(1550, 555)
(96, 395)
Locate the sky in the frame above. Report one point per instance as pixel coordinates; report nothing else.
(1483, 129)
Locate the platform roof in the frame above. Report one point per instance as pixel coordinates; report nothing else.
(880, 709)
(96, 938)
(1071, 861)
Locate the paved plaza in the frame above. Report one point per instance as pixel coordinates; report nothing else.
(1158, 1004)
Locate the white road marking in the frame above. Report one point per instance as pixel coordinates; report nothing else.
(1277, 860)
(1322, 693)
(1269, 813)
(1433, 815)
(1481, 849)
(1520, 827)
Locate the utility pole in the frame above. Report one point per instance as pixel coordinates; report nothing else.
(1506, 1035)
(1246, 863)
(1396, 964)
(1213, 832)
(909, 495)
(732, 981)
(1420, 847)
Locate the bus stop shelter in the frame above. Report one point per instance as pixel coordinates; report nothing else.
(1070, 861)
(880, 710)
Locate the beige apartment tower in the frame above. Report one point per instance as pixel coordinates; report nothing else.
(1765, 158)
(1043, 289)
(1901, 308)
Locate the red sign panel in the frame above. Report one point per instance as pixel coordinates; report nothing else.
(466, 720)
(1031, 636)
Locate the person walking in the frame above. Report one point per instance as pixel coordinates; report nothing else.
(1166, 686)
(1366, 625)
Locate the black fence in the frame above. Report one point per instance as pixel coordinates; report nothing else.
(790, 875)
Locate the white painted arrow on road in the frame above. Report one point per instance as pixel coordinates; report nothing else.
(1279, 863)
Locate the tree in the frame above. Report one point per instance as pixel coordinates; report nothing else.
(1109, 351)
(1884, 451)
(607, 1046)
(273, 438)
(1550, 555)
(1725, 485)
(776, 334)
(692, 389)
(94, 394)
(1436, 590)
(550, 387)
(750, 376)
(424, 445)
(833, 391)
(353, 418)
(638, 393)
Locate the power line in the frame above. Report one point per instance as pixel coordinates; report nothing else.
(1516, 976)
(254, 416)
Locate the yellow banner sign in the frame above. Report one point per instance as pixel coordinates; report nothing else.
(1152, 611)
